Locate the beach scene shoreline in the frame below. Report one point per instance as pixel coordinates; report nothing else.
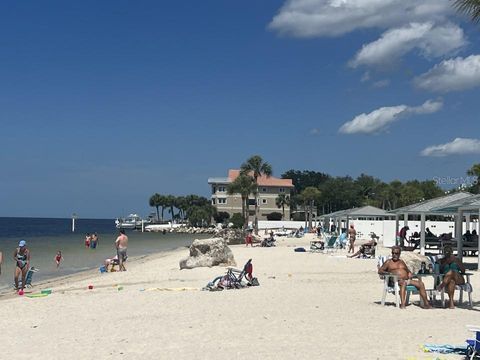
(303, 299)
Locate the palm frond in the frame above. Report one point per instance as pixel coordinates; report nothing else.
(470, 8)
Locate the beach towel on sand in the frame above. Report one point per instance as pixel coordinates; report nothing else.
(445, 349)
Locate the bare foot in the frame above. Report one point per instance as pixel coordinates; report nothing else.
(403, 307)
(428, 306)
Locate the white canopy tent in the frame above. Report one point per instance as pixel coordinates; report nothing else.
(433, 207)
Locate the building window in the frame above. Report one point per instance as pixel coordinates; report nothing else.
(264, 201)
(213, 201)
(222, 201)
(264, 189)
(221, 189)
(282, 190)
(214, 189)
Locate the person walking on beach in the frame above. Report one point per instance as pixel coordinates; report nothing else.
(21, 256)
(58, 258)
(249, 239)
(121, 244)
(398, 267)
(352, 235)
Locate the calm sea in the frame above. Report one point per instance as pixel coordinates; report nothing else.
(46, 236)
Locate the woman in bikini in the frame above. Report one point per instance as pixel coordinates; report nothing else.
(22, 262)
(452, 268)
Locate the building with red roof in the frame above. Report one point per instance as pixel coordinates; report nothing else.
(268, 190)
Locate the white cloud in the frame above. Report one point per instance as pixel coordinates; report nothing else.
(430, 40)
(381, 83)
(315, 18)
(379, 119)
(314, 131)
(451, 75)
(459, 146)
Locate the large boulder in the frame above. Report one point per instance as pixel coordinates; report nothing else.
(414, 260)
(208, 253)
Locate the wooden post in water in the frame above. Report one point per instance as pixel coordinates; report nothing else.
(143, 226)
(74, 216)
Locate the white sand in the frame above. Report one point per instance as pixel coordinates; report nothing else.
(309, 306)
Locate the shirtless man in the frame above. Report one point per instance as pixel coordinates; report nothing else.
(398, 267)
(121, 244)
(352, 235)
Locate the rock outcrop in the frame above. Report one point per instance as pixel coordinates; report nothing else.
(208, 253)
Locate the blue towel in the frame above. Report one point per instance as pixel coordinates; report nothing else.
(445, 349)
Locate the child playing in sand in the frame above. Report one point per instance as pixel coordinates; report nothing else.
(58, 258)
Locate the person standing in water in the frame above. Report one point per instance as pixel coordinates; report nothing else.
(121, 244)
(58, 258)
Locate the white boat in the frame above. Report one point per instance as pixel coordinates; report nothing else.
(132, 221)
(161, 227)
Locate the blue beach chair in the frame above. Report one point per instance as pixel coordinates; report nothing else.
(473, 345)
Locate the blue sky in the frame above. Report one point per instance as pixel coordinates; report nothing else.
(105, 103)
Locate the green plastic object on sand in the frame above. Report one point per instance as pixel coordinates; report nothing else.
(46, 291)
(38, 295)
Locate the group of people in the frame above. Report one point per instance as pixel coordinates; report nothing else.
(451, 269)
(91, 241)
(121, 244)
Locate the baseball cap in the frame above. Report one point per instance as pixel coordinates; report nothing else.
(22, 243)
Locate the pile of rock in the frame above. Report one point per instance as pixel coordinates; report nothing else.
(208, 252)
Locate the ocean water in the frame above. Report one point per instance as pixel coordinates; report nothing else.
(45, 236)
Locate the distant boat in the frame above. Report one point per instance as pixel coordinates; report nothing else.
(161, 227)
(131, 222)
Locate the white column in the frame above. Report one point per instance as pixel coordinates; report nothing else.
(467, 221)
(422, 234)
(458, 233)
(478, 253)
(405, 219)
(397, 227)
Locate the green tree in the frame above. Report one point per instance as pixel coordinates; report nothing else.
(281, 201)
(256, 166)
(243, 185)
(475, 172)
(156, 200)
(471, 8)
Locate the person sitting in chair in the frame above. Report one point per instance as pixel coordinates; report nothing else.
(453, 269)
(398, 267)
(367, 246)
(429, 234)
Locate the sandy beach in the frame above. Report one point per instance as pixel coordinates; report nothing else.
(308, 306)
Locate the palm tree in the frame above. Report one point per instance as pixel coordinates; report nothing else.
(281, 201)
(243, 185)
(156, 200)
(170, 202)
(256, 166)
(310, 195)
(470, 8)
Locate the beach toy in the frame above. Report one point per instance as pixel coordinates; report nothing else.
(20, 292)
(46, 291)
(102, 269)
(120, 288)
(90, 287)
(39, 295)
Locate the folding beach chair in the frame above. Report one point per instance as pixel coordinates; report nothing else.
(330, 245)
(473, 345)
(234, 279)
(28, 277)
(390, 285)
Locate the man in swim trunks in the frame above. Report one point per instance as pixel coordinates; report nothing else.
(121, 244)
(21, 256)
(352, 235)
(398, 267)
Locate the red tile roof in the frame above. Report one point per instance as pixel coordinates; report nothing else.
(263, 180)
